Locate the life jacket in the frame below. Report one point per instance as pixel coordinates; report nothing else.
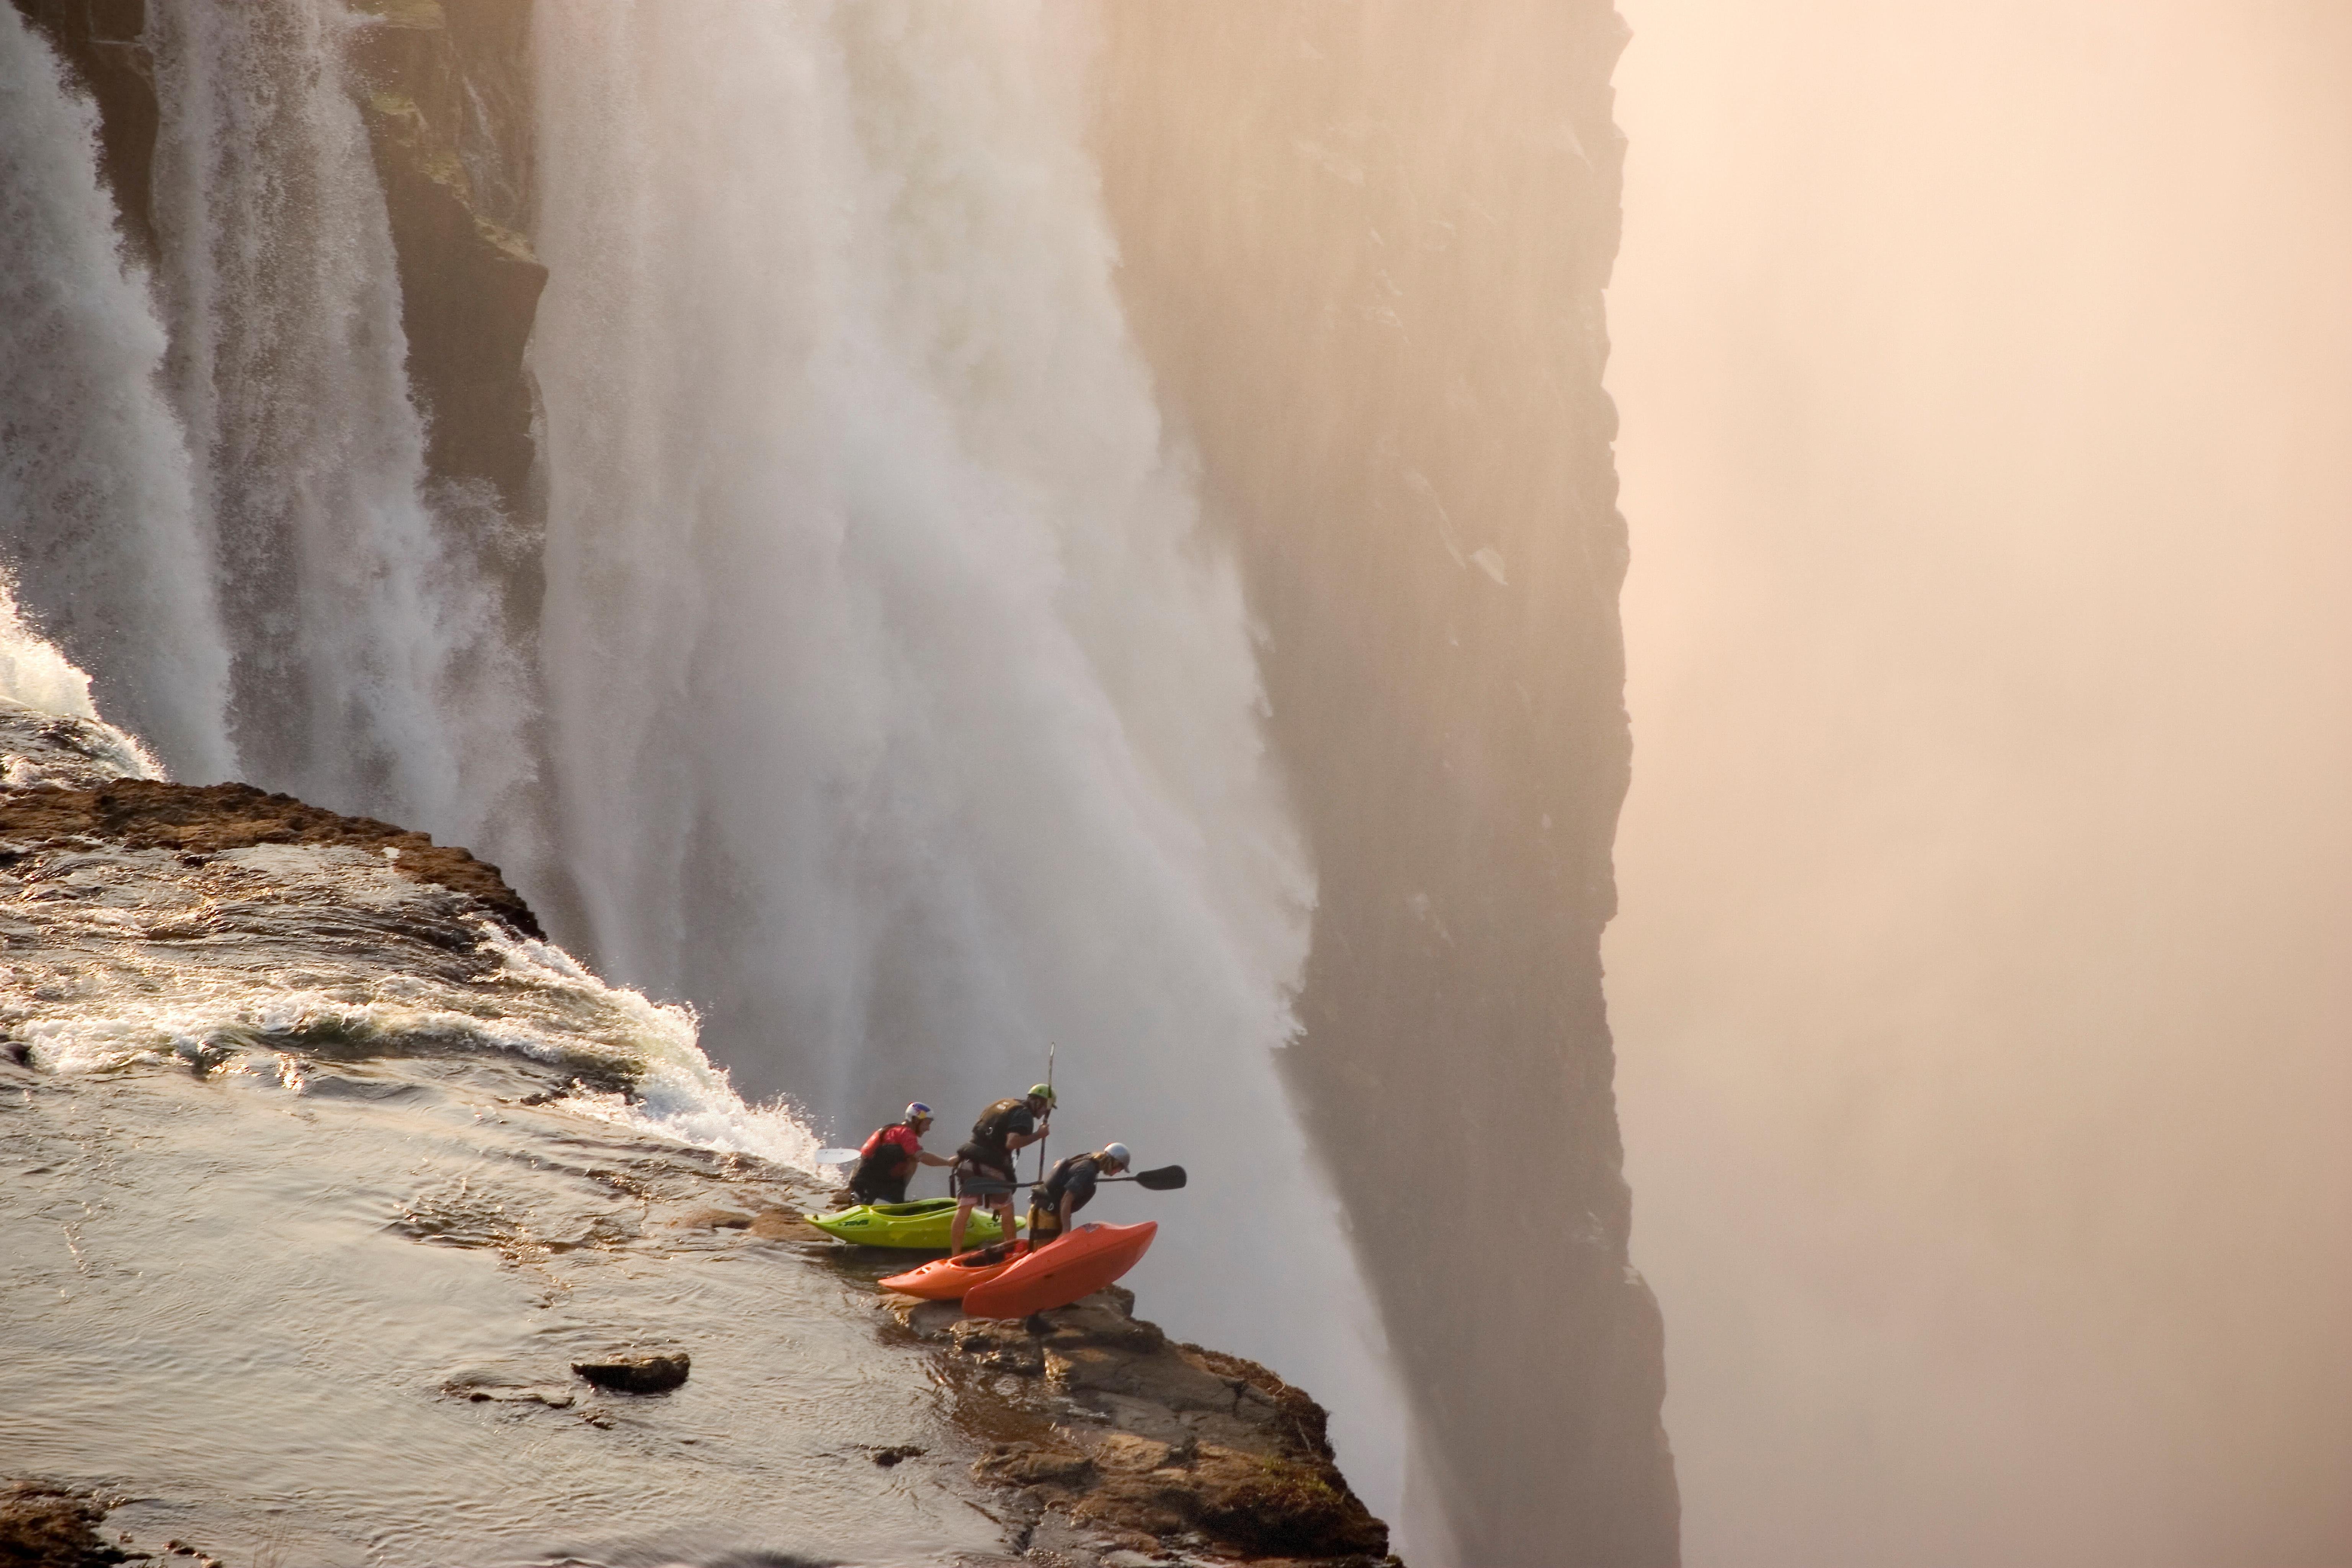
(881, 1159)
(881, 1135)
(1057, 1182)
(989, 1133)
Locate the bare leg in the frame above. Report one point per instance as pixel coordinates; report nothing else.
(962, 1218)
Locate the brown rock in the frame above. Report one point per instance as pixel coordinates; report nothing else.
(713, 1219)
(1300, 1507)
(43, 1525)
(141, 814)
(999, 1346)
(784, 1225)
(1100, 1320)
(1125, 1453)
(637, 1373)
(1030, 1464)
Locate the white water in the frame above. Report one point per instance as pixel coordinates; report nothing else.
(96, 496)
(372, 671)
(901, 716)
(901, 719)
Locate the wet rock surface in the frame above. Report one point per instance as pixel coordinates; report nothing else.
(1109, 1443)
(43, 1525)
(1081, 1438)
(639, 1374)
(208, 819)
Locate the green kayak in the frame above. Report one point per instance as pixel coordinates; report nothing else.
(919, 1226)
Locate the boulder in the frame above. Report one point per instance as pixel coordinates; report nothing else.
(646, 1373)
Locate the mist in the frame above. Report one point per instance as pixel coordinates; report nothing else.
(1980, 984)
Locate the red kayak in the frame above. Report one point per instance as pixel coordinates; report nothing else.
(1076, 1265)
(947, 1279)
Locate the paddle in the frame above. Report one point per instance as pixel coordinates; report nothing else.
(835, 1156)
(1167, 1178)
(1051, 1049)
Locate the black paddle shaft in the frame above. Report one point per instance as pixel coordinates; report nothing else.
(1167, 1178)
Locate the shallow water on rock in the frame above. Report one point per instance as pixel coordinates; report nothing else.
(264, 1314)
(313, 1186)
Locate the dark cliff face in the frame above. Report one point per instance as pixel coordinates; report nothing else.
(446, 97)
(448, 115)
(1365, 248)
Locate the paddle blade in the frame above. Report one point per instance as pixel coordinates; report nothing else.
(835, 1156)
(1165, 1179)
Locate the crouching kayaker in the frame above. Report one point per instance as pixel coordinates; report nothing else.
(887, 1158)
(1004, 1127)
(1070, 1188)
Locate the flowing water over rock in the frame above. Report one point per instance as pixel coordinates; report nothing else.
(347, 1221)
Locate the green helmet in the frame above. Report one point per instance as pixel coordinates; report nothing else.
(1043, 1091)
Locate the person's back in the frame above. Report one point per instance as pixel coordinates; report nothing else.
(1068, 1188)
(993, 1133)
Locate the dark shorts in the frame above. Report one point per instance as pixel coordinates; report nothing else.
(880, 1190)
(968, 1167)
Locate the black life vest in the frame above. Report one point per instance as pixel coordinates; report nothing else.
(996, 1124)
(1058, 1182)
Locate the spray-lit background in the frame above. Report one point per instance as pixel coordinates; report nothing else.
(1980, 986)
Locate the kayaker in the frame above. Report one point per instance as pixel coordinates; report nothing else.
(1004, 1127)
(887, 1158)
(1070, 1188)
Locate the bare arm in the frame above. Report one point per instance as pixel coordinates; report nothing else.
(928, 1158)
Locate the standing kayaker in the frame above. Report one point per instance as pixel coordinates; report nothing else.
(889, 1158)
(1004, 1127)
(1070, 1188)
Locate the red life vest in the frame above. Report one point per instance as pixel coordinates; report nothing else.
(897, 1132)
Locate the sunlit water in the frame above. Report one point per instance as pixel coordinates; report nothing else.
(275, 1207)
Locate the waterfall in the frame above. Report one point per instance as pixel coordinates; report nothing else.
(901, 714)
(97, 492)
(371, 667)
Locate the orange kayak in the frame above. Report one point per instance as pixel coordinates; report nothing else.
(947, 1279)
(1076, 1265)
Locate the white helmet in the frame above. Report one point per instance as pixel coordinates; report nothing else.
(1118, 1152)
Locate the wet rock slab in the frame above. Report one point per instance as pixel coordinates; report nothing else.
(643, 1373)
(1110, 1443)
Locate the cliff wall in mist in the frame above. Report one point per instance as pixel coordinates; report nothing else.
(446, 101)
(1365, 248)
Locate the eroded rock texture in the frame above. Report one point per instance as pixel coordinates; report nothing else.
(1107, 1437)
(1365, 245)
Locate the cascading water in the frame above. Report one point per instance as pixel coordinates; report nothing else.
(901, 716)
(96, 489)
(371, 666)
(898, 715)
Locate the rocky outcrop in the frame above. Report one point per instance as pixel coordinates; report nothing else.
(1110, 1438)
(208, 819)
(1364, 247)
(46, 1526)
